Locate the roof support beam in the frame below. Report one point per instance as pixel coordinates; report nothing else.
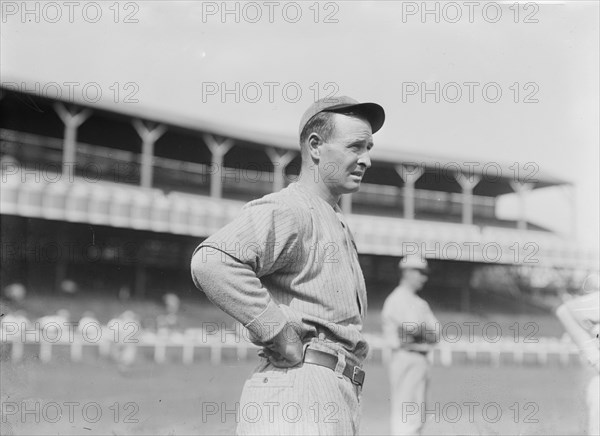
(280, 160)
(521, 188)
(467, 184)
(218, 150)
(571, 196)
(410, 174)
(72, 119)
(149, 136)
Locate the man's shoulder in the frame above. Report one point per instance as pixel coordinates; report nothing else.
(401, 298)
(421, 302)
(287, 200)
(393, 298)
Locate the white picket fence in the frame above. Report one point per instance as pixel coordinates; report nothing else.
(164, 345)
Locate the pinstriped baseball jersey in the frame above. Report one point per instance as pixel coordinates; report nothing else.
(288, 258)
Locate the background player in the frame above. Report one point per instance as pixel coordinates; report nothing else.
(581, 319)
(410, 330)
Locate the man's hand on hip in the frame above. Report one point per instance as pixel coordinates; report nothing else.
(285, 349)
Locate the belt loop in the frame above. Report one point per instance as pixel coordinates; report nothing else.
(341, 364)
(304, 348)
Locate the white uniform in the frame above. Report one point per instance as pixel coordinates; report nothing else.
(408, 319)
(123, 332)
(581, 318)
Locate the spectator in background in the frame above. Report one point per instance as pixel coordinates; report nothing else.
(88, 318)
(13, 323)
(581, 318)
(169, 320)
(13, 320)
(124, 293)
(68, 286)
(18, 316)
(53, 326)
(9, 163)
(124, 331)
(410, 330)
(15, 293)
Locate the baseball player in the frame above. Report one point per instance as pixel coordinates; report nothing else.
(287, 269)
(410, 329)
(580, 317)
(122, 332)
(169, 321)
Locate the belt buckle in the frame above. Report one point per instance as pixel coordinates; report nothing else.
(358, 376)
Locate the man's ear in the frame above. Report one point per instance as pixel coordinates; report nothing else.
(314, 142)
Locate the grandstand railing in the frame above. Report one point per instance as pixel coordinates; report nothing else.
(389, 200)
(120, 205)
(120, 166)
(164, 345)
(52, 195)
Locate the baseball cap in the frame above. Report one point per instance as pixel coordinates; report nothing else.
(413, 262)
(371, 111)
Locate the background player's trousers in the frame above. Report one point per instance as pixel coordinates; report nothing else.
(305, 400)
(593, 403)
(409, 373)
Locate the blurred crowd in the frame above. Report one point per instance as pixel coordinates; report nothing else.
(121, 333)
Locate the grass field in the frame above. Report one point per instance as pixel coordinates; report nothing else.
(94, 398)
(168, 399)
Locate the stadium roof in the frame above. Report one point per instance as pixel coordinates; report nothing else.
(383, 152)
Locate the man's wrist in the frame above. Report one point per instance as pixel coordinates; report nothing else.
(268, 324)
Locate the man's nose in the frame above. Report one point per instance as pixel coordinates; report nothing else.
(365, 160)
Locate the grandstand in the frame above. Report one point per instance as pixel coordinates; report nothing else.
(113, 198)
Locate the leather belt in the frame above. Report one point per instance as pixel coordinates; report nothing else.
(321, 358)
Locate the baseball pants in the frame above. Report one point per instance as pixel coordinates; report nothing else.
(304, 400)
(409, 374)
(593, 403)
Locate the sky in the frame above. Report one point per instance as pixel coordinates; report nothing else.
(515, 82)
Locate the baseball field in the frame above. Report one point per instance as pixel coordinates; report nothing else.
(171, 399)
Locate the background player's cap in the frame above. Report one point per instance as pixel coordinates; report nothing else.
(413, 262)
(371, 111)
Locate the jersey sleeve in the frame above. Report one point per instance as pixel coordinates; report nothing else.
(228, 266)
(580, 319)
(432, 325)
(586, 310)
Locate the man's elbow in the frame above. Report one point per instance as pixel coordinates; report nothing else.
(202, 267)
(565, 316)
(561, 311)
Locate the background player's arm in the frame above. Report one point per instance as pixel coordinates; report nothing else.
(390, 329)
(227, 268)
(433, 329)
(579, 316)
(403, 326)
(425, 331)
(585, 309)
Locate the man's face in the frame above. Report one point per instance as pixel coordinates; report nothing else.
(344, 158)
(416, 278)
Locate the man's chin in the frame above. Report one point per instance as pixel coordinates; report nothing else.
(351, 187)
(347, 188)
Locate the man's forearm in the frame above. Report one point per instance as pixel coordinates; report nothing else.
(586, 343)
(235, 289)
